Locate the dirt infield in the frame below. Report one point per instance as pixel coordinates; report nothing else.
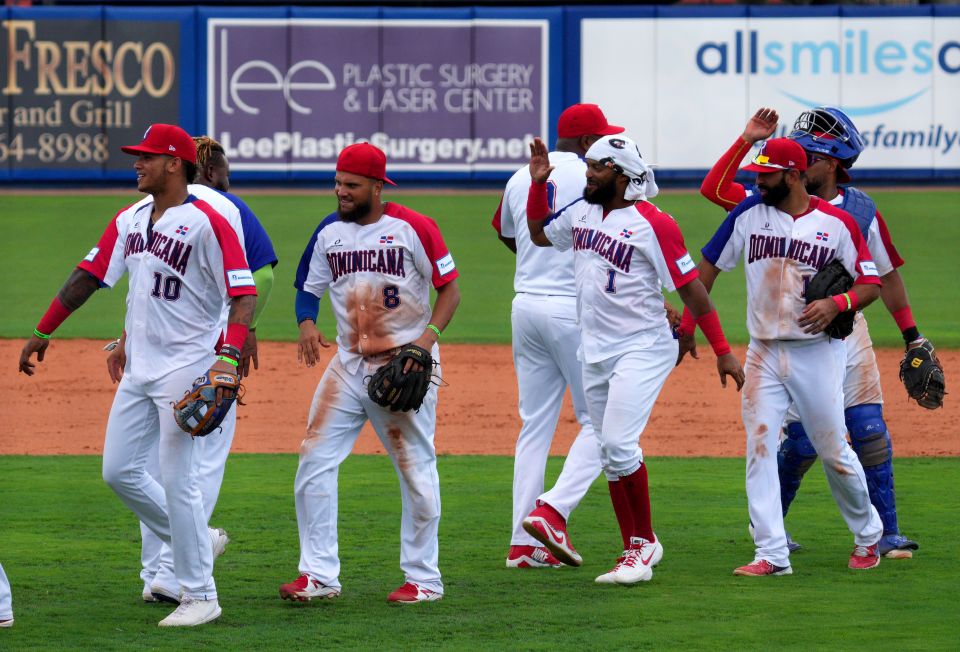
(63, 408)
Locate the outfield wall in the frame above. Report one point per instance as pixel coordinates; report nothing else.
(453, 95)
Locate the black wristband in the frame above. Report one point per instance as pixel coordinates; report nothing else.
(911, 334)
(230, 351)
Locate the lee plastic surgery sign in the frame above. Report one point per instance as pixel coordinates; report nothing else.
(453, 95)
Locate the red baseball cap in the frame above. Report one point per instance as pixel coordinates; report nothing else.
(585, 120)
(165, 139)
(779, 154)
(366, 160)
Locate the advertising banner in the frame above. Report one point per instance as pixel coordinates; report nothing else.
(696, 81)
(77, 88)
(439, 95)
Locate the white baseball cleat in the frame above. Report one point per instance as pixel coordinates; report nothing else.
(531, 557)
(412, 593)
(635, 564)
(147, 594)
(192, 612)
(6, 623)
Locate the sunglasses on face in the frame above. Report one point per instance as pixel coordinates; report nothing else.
(813, 158)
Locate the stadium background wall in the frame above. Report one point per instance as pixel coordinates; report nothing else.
(453, 94)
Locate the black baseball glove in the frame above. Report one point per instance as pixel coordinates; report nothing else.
(392, 387)
(922, 375)
(833, 279)
(197, 413)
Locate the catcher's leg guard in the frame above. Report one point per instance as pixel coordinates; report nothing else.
(871, 441)
(794, 459)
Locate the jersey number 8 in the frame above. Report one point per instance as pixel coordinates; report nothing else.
(391, 297)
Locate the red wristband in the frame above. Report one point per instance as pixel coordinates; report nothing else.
(841, 302)
(55, 315)
(854, 300)
(538, 207)
(236, 335)
(904, 319)
(687, 322)
(710, 325)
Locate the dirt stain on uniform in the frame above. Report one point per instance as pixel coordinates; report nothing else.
(761, 445)
(371, 319)
(324, 400)
(395, 437)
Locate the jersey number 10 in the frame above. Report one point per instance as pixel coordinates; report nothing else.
(167, 287)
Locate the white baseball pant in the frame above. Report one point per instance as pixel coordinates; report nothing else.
(545, 343)
(6, 597)
(621, 392)
(156, 558)
(340, 408)
(810, 373)
(140, 417)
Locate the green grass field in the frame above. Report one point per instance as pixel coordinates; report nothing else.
(45, 236)
(71, 550)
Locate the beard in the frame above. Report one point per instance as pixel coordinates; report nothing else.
(775, 194)
(601, 194)
(813, 186)
(359, 212)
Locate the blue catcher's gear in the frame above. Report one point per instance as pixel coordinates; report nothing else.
(827, 130)
(871, 441)
(794, 459)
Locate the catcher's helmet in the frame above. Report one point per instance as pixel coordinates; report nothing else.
(827, 130)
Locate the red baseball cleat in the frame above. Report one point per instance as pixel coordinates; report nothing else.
(549, 528)
(864, 557)
(305, 589)
(411, 593)
(531, 557)
(762, 567)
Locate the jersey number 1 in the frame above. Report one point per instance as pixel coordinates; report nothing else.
(611, 287)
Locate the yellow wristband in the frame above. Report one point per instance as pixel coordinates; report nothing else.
(434, 329)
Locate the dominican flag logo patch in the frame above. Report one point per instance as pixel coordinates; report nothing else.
(386, 239)
(823, 235)
(182, 230)
(626, 233)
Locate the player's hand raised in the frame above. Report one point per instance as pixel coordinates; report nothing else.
(761, 126)
(309, 343)
(33, 345)
(540, 167)
(728, 365)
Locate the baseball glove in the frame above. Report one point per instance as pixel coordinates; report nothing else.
(922, 375)
(402, 391)
(197, 412)
(833, 279)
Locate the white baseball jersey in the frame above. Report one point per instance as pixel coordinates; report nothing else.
(621, 260)
(541, 270)
(183, 270)
(378, 276)
(781, 253)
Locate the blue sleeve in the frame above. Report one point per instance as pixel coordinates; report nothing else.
(307, 306)
(304, 267)
(256, 243)
(712, 250)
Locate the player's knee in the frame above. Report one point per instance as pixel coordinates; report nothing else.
(868, 434)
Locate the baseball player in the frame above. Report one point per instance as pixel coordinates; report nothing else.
(377, 260)
(625, 249)
(833, 144)
(185, 262)
(785, 236)
(546, 339)
(6, 601)
(212, 184)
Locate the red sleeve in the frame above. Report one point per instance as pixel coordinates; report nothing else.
(97, 262)
(859, 243)
(236, 272)
(538, 202)
(718, 186)
(670, 240)
(496, 217)
(892, 252)
(444, 269)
